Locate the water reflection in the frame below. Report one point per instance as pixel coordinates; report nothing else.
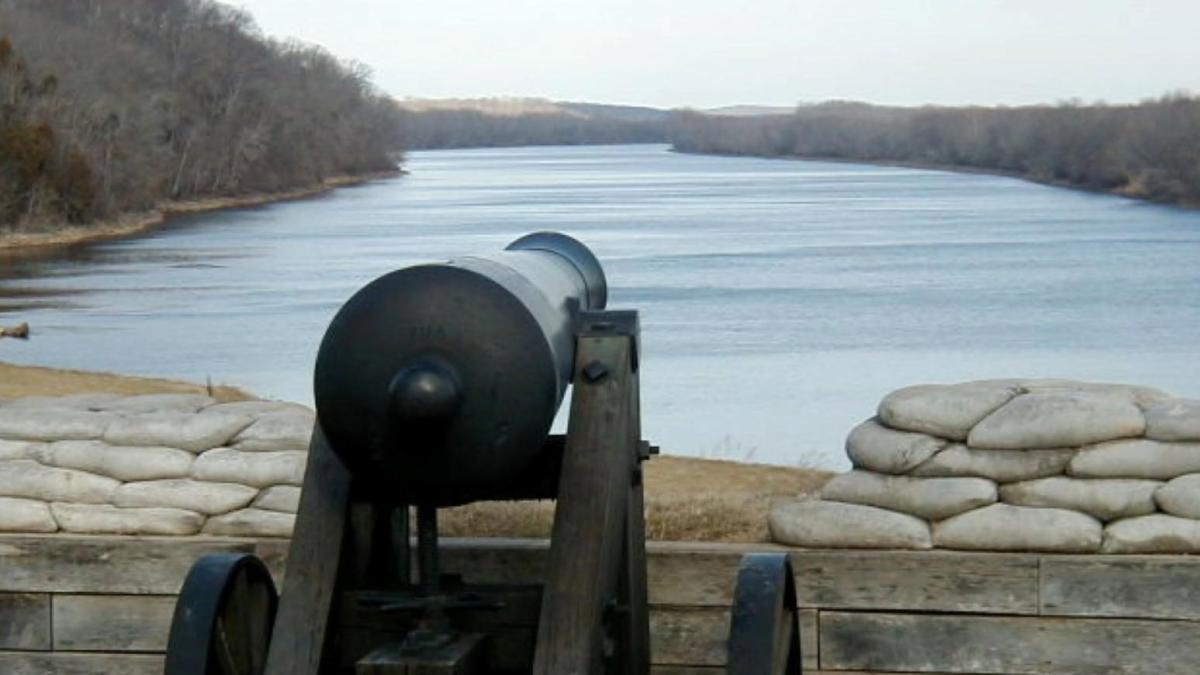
(780, 300)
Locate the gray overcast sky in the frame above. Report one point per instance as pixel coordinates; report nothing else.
(706, 53)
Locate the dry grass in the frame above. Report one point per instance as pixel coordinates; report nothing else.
(17, 381)
(686, 500)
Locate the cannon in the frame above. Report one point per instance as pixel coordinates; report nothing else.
(437, 385)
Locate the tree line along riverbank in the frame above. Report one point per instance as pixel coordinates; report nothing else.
(1147, 151)
(109, 111)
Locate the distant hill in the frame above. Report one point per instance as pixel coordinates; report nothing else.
(750, 110)
(496, 122)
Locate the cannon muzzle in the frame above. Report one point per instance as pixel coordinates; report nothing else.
(435, 383)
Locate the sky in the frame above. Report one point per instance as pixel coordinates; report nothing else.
(709, 53)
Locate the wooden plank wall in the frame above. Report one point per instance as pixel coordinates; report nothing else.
(102, 605)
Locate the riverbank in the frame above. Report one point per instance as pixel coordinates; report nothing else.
(1126, 191)
(129, 224)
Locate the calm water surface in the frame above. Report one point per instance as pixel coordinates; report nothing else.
(780, 299)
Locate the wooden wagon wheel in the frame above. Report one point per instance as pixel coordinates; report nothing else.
(764, 633)
(223, 618)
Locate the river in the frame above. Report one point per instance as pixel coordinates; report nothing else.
(780, 300)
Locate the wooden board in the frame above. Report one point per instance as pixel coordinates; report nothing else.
(42, 663)
(961, 643)
(112, 623)
(590, 516)
(315, 553)
(125, 565)
(24, 621)
(1150, 587)
(995, 583)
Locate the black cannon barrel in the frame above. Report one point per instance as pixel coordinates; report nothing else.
(435, 383)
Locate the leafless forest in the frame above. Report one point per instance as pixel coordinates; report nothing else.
(483, 123)
(113, 106)
(1150, 150)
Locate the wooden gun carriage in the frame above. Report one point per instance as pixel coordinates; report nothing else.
(436, 385)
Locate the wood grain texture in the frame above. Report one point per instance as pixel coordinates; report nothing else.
(960, 643)
(112, 623)
(24, 621)
(44, 663)
(104, 564)
(1152, 587)
(590, 515)
(314, 556)
(924, 581)
(689, 636)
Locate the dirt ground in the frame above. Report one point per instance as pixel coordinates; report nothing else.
(17, 381)
(686, 498)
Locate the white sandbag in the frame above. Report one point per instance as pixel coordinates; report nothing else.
(873, 446)
(53, 424)
(108, 519)
(1002, 466)
(1176, 419)
(1003, 527)
(285, 498)
(251, 523)
(1181, 496)
(929, 498)
(184, 430)
(27, 478)
(25, 515)
(146, 403)
(1104, 498)
(1136, 459)
(1057, 420)
(288, 430)
(259, 469)
(947, 411)
(124, 463)
(820, 524)
(1156, 533)
(183, 493)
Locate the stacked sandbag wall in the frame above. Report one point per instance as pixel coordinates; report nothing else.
(1013, 465)
(170, 464)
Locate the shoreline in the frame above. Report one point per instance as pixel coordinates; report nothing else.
(138, 222)
(956, 168)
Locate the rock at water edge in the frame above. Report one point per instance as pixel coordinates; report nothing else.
(820, 524)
